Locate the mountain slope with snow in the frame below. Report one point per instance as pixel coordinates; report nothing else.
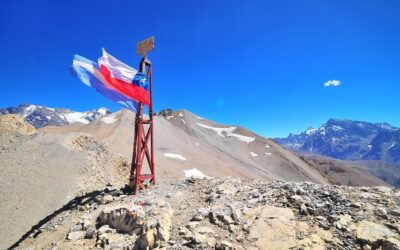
(40, 116)
(185, 141)
(349, 140)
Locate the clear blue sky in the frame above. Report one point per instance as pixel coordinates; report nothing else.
(258, 64)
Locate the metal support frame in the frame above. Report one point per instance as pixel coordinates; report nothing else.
(143, 139)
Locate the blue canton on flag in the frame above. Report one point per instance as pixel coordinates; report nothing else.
(142, 80)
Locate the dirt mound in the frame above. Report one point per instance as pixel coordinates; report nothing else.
(16, 123)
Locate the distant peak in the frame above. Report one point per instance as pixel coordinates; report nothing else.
(310, 131)
(103, 111)
(165, 112)
(336, 121)
(385, 125)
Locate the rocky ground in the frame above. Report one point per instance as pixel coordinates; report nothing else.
(225, 213)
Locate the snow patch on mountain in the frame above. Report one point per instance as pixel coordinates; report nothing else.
(391, 146)
(253, 154)
(337, 128)
(194, 173)
(110, 119)
(41, 116)
(76, 117)
(311, 131)
(175, 156)
(228, 132)
(103, 111)
(29, 110)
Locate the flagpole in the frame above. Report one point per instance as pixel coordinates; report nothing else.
(141, 137)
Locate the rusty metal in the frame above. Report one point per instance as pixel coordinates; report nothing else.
(145, 46)
(143, 139)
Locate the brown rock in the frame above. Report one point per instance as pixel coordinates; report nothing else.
(391, 244)
(147, 240)
(275, 229)
(372, 233)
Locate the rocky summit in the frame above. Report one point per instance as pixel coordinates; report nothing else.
(225, 213)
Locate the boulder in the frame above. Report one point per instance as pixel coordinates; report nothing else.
(223, 245)
(372, 233)
(122, 219)
(89, 233)
(312, 242)
(147, 240)
(391, 244)
(204, 230)
(75, 235)
(164, 223)
(343, 221)
(395, 212)
(274, 229)
(107, 199)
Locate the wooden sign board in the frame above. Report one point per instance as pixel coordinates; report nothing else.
(145, 46)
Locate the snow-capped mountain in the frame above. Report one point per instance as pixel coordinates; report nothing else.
(385, 145)
(40, 116)
(348, 140)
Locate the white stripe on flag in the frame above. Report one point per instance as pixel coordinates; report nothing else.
(118, 69)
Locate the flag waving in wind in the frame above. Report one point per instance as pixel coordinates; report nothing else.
(128, 81)
(114, 80)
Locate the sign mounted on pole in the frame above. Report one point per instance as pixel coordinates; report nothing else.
(145, 46)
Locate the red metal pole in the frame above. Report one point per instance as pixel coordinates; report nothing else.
(141, 141)
(151, 126)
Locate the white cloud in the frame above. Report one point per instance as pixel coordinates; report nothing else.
(333, 83)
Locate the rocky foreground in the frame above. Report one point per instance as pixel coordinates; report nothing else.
(226, 213)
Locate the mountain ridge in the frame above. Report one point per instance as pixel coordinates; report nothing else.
(348, 140)
(42, 116)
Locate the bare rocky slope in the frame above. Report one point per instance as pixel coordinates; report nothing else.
(185, 141)
(342, 172)
(41, 173)
(226, 213)
(43, 169)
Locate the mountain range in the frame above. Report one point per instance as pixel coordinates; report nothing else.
(348, 140)
(40, 116)
(60, 157)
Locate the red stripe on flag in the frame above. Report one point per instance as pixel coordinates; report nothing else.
(128, 89)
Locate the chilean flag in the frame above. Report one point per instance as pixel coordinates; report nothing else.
(128, 81)
(113, 79)
(89, 73)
